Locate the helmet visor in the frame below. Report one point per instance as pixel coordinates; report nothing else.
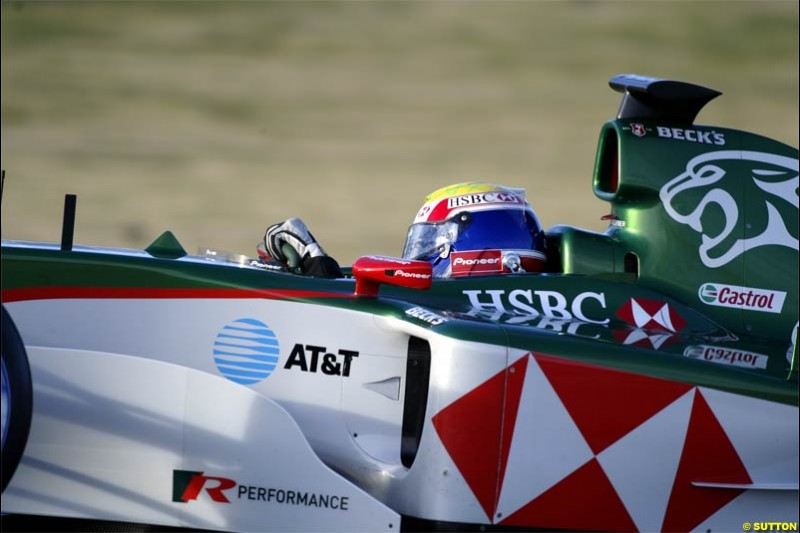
(426, 240)
(502, 229)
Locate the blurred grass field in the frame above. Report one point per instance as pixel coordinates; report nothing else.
(215, 119)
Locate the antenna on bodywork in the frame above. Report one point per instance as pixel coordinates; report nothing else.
(68, 228)
(2, 183)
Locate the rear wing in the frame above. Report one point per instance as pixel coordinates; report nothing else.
(655, 99)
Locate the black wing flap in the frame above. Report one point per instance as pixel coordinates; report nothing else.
(656, 99)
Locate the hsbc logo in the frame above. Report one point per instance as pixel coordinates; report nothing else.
(587, 307)
(493, 197)
(651, 315)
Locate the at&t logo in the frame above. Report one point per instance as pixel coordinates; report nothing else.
(246, 351)
(310, 358)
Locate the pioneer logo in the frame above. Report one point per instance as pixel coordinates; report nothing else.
(476, 262)
(415, 275)
(470, 262)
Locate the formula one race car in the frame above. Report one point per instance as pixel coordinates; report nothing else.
(646, 381)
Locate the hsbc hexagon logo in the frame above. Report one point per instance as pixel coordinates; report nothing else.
(651, 315)
(559, 444)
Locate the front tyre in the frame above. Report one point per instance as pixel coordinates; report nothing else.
(17, 400)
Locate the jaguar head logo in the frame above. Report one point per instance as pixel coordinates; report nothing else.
(714, 212)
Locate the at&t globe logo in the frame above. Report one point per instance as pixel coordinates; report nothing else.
(246, 351)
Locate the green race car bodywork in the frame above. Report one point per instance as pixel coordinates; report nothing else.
(695, 282)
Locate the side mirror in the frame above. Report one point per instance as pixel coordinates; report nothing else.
(372, 270)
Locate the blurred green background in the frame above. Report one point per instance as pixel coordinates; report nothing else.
(215, 119)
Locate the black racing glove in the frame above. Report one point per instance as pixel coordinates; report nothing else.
(294, 233)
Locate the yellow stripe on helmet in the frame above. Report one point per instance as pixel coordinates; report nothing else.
(468, 187)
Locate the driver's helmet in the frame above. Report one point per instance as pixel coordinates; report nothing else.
(477, 228)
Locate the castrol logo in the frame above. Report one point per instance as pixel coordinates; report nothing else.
(735, 297)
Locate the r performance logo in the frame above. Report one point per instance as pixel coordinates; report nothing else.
(187, 485)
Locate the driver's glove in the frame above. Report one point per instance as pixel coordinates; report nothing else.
(294, 233)
(312, 258)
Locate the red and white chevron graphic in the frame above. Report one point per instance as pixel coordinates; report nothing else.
(651, 314)
(555, 443)
(650, 339)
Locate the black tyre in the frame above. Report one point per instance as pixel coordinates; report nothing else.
(17, 398)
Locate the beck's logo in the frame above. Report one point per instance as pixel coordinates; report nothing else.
(310, 358)
(187, 485)
(695, 136)
(638, 129)
(476, 262)
(424, 315)
(735, 297)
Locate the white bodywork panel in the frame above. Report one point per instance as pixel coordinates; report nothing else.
(131, 402)
(112, 434)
